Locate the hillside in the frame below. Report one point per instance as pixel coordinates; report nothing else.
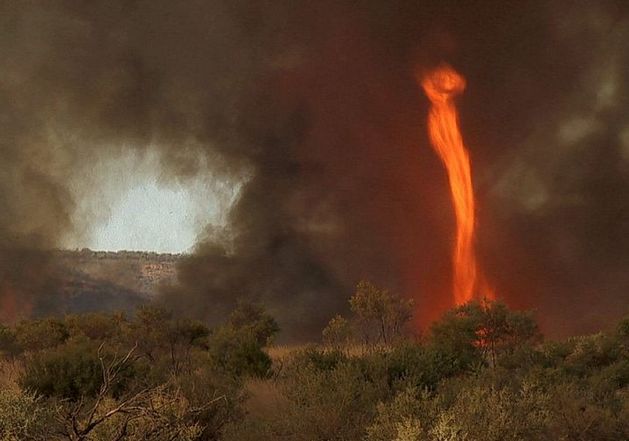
(104, 280)
(138, 271)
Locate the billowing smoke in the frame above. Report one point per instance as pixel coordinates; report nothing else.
(312, 107)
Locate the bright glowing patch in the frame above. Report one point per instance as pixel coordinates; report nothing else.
(125, 202)
(441, 86)
(150, 217)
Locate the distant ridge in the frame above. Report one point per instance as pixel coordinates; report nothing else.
(139, 271)
(112, 280)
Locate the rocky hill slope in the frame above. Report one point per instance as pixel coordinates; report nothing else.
(105, 280)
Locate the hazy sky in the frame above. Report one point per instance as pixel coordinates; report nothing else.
(134, 207)
(150, 217)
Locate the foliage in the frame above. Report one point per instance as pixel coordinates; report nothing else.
(484, 332)
(162, 416)
(238, 352)
(622, 328)
(482, 373)
(217, 398)
(338, 333)
(23, 416)
(577, 414)
(101, 376)
(379, 315)
(378, 318)
(419, 366)
(70, 371)
(36, 335)
(312, 356)
(165, 341)
(97, 326)
(322, 401)
(8, 341)
(399, 418)
(252, 319)
(238, 346)
(479, 412)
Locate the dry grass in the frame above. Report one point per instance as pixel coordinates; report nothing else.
(264, 398)
(10, 371)
(282, 352)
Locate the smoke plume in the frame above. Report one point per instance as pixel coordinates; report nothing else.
(313, 109)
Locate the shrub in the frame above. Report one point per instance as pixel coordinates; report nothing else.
(238, 352)
(403, 418)
(70, 371)
(23, 416)
(317, 359)
(411, 364)
(98, 326)
(252, 319)
(484, 332)
(379, 316)
(338, 333)
(8, 342)
(335, 404)
(36, 335)
(215, 396)
(577, 414)
(479, 412)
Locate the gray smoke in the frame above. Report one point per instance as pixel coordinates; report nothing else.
(315, 102)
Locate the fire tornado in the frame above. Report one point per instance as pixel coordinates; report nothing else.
(441, 86)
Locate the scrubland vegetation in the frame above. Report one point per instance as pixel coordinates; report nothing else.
(482, 373)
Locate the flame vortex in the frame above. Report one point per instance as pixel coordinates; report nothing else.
(441, 86)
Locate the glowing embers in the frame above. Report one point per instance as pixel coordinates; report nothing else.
(441, 86)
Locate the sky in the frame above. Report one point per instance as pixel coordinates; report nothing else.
(151, 218)
(132, 205)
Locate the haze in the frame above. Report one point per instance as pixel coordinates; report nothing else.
(292, 137)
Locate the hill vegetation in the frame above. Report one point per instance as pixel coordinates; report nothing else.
(96, 281)
(481, 373)
(137, 271)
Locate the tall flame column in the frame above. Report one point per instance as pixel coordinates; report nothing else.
(441, 86)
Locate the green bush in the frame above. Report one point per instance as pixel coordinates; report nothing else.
(8, 342)
(217, 397)
(70, 371)
(338, 333)
(480, 375)
(37, 335)
(99, 326)
(484, 332)
(329, 404)
(419, 366)
(238, 352)
(23, 416)
(252, 319)
(321, 360)
(478, 412)
(404, 418)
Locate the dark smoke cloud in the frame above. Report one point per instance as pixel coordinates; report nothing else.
(313, 105)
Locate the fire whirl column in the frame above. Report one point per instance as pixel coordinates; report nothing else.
(441, 86)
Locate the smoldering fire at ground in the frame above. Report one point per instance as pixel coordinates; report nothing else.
(313, 108)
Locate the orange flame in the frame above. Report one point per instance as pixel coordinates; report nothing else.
(441, 86)
(11, 309)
